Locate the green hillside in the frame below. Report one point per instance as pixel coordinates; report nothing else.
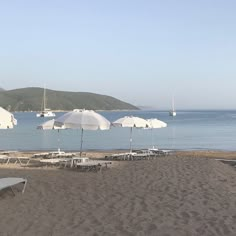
(30, 99)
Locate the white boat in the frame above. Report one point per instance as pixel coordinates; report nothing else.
(46, 112)
(172, 112)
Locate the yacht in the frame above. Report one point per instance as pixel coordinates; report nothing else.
(46, 112)
(172, 112)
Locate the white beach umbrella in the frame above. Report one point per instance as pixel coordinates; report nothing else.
(7, 119)
(131, 122)
(155, 124)
(50, 125)
(84, 120)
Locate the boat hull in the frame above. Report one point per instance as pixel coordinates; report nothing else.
(172, 113)
(46, 114)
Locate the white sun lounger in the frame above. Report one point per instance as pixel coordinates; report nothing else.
(23, 160)
(43, 154)
(11, 181)
(20, 160)
(7, 152)
(93, 165)
(75, 160)
(4, 158)
(51, 161)
(121, 156)
(56, 161)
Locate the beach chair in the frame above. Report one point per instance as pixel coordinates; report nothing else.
(23, 160)
(160, 152)
(11, 181)
(41, 155)
(4, 159)
(121, 156)
(75, 160)
(93, 165)
(55, 161)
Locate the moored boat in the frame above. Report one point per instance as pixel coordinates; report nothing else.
(46, 112)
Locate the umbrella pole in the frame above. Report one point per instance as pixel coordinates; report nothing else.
(130, 140)
(81, 142)
(58, 141)
(152, 139)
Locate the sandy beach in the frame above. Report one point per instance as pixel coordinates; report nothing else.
(189, 193)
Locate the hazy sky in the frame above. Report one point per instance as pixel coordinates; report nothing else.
(139, 51)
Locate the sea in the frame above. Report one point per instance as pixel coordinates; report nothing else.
(189, 130)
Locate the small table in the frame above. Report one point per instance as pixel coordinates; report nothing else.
(75, 160)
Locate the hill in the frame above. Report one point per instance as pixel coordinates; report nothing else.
(30, 99)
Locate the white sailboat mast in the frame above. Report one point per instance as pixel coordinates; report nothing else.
(44, 99)
(45, 111)
(173, 104)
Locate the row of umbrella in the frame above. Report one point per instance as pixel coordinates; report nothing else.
(85, 120)
(91, 120)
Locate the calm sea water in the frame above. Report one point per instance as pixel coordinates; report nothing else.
(188, 130)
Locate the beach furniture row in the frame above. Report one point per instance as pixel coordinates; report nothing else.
(81, 163)
(143, 154)
(55, 154)
(4, 159)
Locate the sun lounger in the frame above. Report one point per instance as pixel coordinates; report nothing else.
(93, 165)
(4, 159)
(65, 154)
(121, 156)
(55, 161)
(23, 160)
(44, 154)
(47, 154)
(142, 154)
(8, 152)
(137, 155)
(55, 154)
(160, 152)
(165, 152)
(11, 181)
(15, 160)
(75, 160)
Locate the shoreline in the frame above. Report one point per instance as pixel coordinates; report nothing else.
(196, 153)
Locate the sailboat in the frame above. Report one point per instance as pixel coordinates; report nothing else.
(172, 112)
(46, 112)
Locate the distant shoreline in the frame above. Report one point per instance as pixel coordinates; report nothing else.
(118, 110)
(153, 109)
(215, 154)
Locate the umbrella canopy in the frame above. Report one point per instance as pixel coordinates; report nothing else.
(131, 122)
(7, 120)
(155, 124)
(84, 120)
(49, 124)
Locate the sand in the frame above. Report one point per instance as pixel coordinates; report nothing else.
(184, 194)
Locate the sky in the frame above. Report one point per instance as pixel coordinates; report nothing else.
(144, 52)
